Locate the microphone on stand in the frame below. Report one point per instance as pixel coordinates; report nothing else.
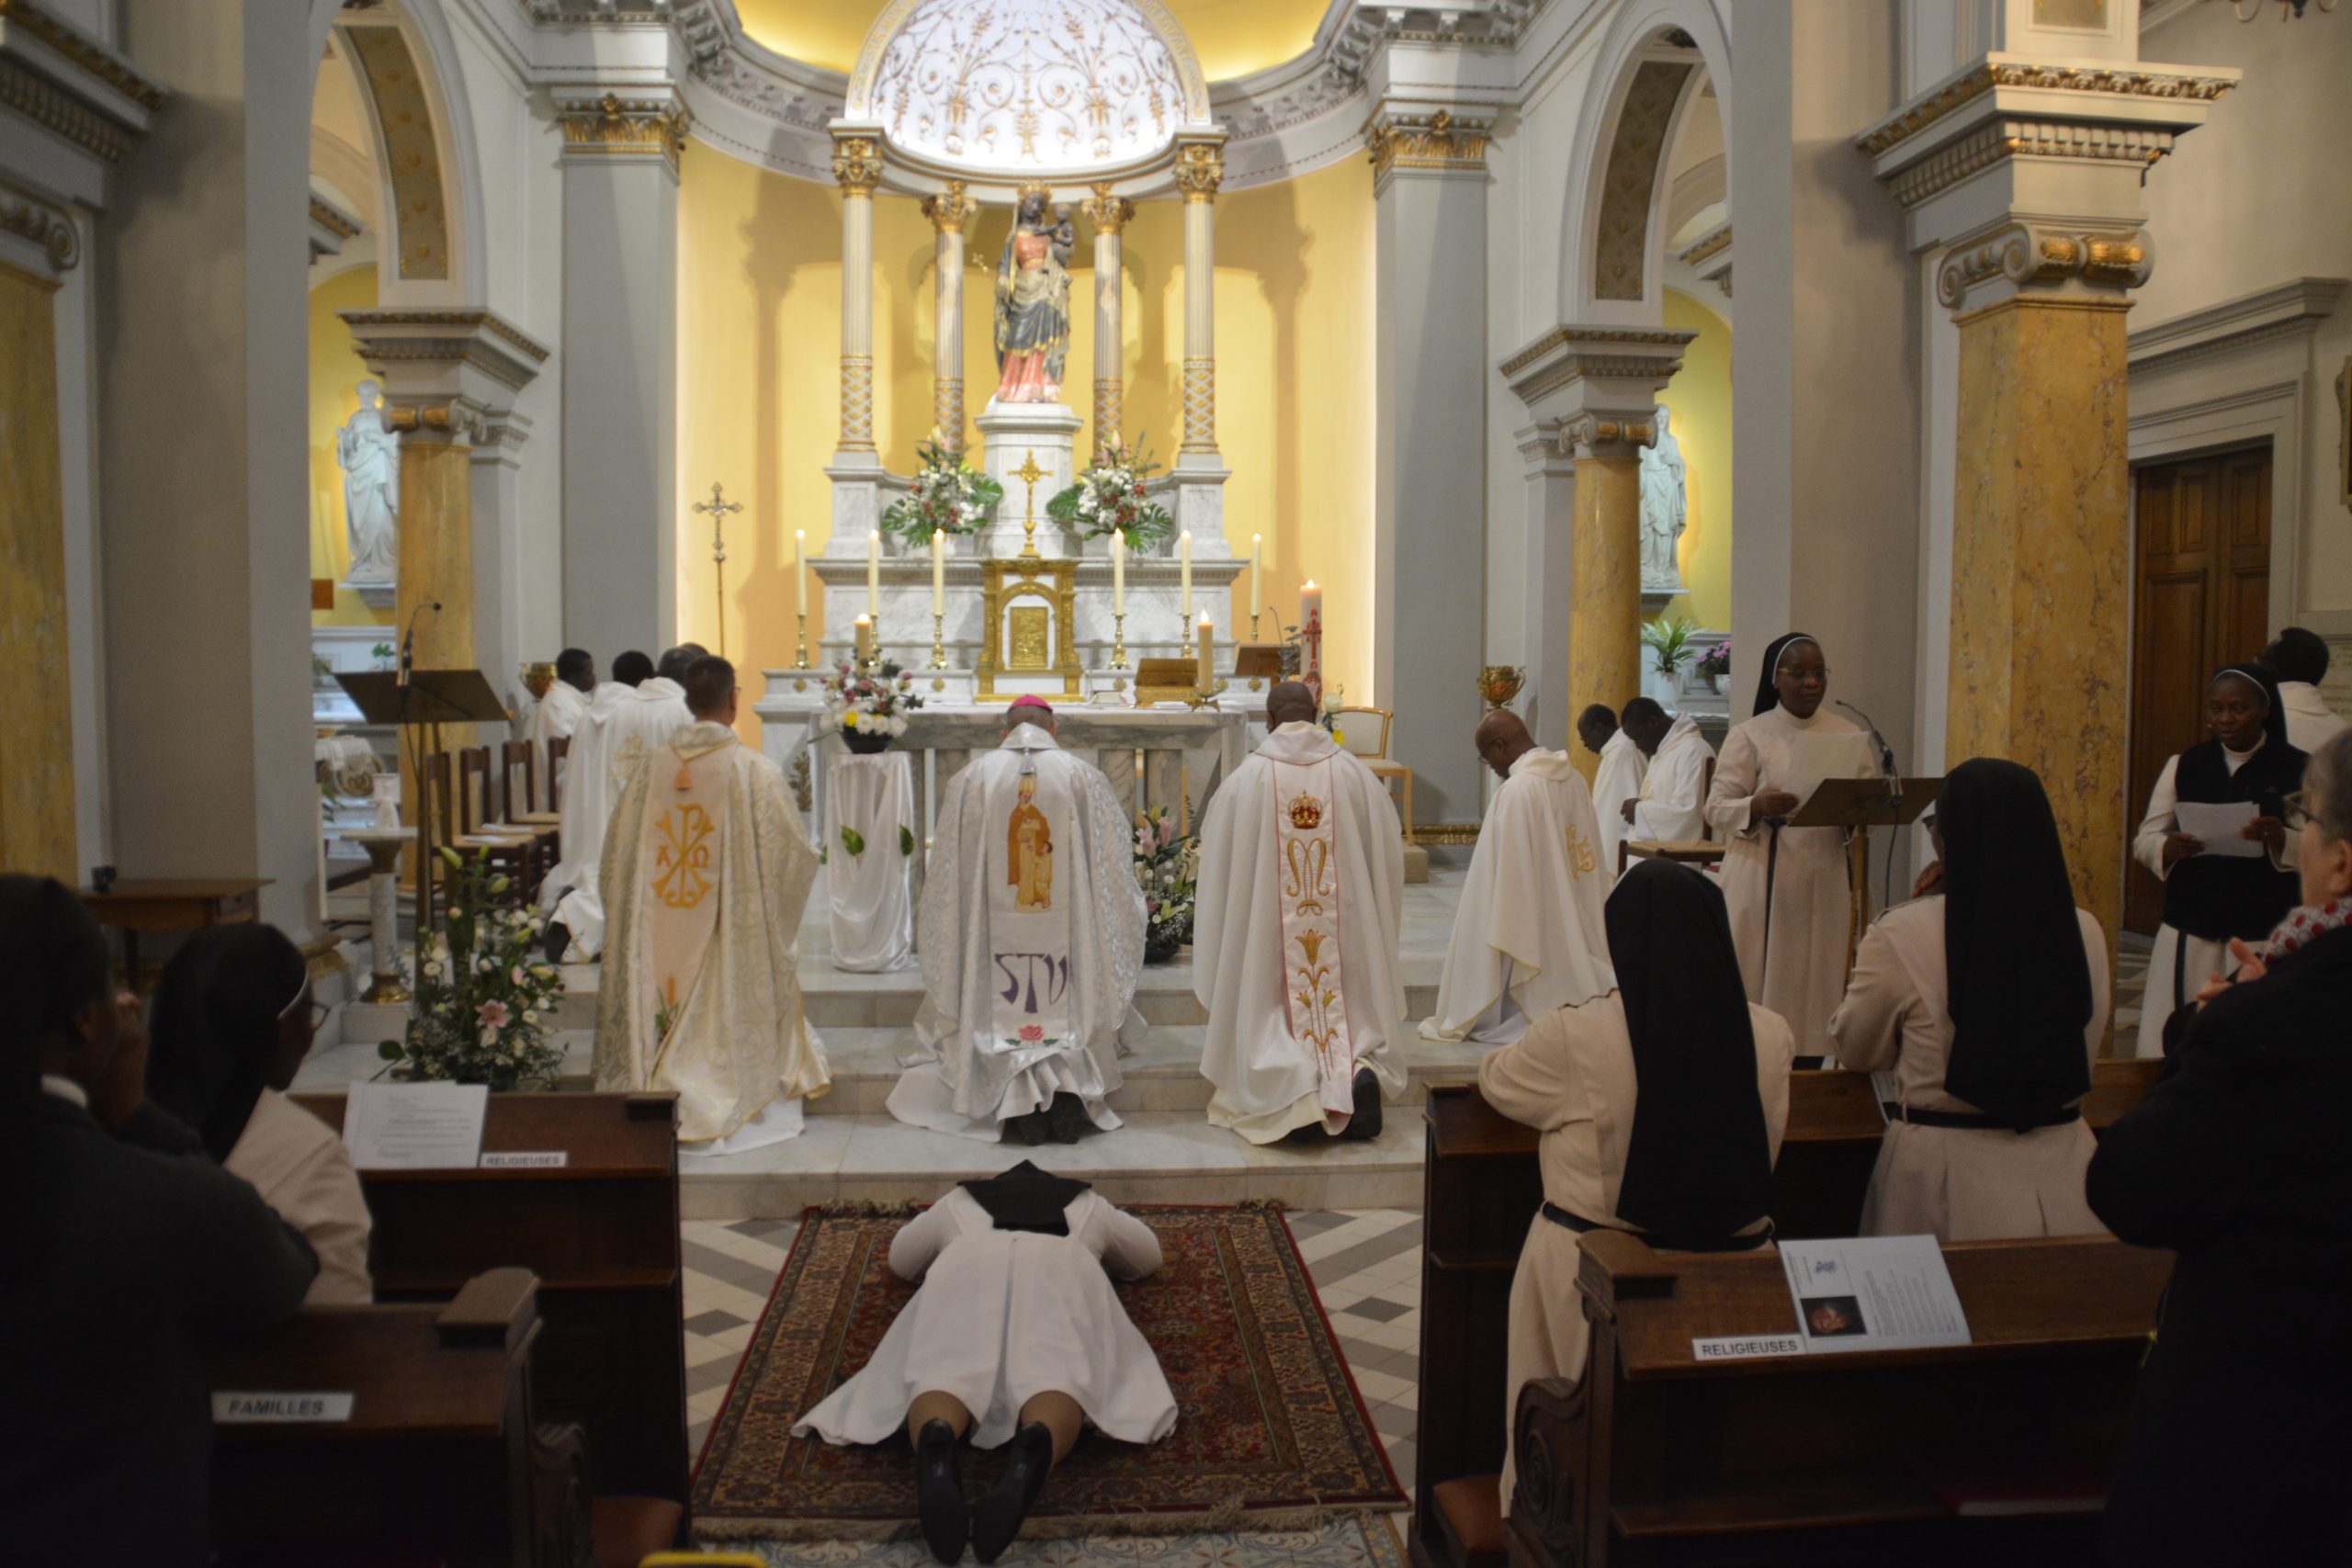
(408, 642)
(1894, 776)
(1886, 753)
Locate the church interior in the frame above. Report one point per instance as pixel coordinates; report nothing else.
(1208, 778)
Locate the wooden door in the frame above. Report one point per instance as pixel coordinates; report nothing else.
(2203, 600)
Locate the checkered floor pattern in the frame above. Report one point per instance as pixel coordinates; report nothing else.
(1366, 1267)
(2131, 986)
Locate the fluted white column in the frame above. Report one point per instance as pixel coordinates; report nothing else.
(1109, 214)
(857, 164)
(948, 211)
(1200, 169)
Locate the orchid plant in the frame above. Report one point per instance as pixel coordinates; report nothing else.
(485, 998)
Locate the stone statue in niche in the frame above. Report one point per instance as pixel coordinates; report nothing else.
(1665, 509)
(370, 454)
(1033, 303)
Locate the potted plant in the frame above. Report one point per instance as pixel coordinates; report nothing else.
(1670, 645)
(945, 494)
(1109, 498)
(870, 706)
(1166, 867)
(1714, 665)
(485, 996)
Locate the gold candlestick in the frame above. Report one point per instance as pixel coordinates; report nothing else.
(1119, 640)
(800, 652)
(1253, 626)
(938, 646)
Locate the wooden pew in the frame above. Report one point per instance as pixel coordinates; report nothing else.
(1480, 1190)
(600, 1233)
(440, 1461)
(1657, 1458)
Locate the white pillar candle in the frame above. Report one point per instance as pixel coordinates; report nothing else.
(864, 638)
(1118, 574)
(1184, 559)
(1257, 558)
(801, 570)
(873, 574)
(939, 571)
(1310, 627)
(1205, 674)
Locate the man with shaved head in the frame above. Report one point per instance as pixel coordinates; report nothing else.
(1302, 882)
(1528, 936)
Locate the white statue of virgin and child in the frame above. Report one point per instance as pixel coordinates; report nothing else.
(1033, 303)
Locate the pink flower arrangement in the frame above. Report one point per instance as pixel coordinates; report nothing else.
(492, 1014)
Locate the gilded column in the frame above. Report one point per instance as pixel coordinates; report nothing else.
(2041, 528)
(1109, 215)
(1200, 169)
(36, 825)
(948, 211)
(857, 164)
(1605, 569)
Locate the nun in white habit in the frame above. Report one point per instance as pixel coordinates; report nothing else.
(1016, 1334)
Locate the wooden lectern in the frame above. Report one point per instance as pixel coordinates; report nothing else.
(1858, 805)
(426, 700)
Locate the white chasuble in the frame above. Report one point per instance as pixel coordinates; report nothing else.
(1527, 935)
(706, 871)
(1030, 940)
(1299, 997)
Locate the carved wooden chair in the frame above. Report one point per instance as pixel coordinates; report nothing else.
(558, 751)
(1366, 732)
(516, 853)
(520, 757)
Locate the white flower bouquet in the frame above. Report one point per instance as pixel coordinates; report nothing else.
(485, 998)
(944, 494)
(870, 707)
(1110, 497)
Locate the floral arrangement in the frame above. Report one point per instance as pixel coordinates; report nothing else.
(944, 493)
(1333, 700)
(1715, 663)
(1670, 642)
(1109, 498)
(874, 703)
(1168, 865)
(484, 997)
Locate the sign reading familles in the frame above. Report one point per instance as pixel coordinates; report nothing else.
(231, 1408)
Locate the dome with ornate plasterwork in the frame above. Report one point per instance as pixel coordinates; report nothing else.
(1011, 89)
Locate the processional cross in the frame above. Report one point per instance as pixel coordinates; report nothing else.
(718, 507)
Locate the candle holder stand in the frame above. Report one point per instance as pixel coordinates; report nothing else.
(938, 643)
(1119, 640)
(800, 653)
(1253, 626)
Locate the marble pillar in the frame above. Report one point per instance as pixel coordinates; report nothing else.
(857, 164)
(1200, 169)
(948, 211)
(1550, 472)
(620, 359)
(1605, 575)
(37, 826)
(1110, 215)
(2040, 597)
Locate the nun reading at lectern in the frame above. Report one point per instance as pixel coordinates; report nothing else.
(1016, 1337)
(1792, 955)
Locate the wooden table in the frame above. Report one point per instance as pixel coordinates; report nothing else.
(171, 904)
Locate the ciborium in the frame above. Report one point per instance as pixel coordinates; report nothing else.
(1499, 683)
(537, 676)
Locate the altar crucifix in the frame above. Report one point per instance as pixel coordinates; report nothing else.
(718, 507)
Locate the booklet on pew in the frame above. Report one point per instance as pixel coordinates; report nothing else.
(1880, 1292)
(414, 1127)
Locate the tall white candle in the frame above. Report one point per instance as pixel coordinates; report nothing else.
(1118, 574)
(939, 571)
(1206, 672)
(1184, 556)
(873, 574)
(1257, 559)
(1310, 626)
(801, 570)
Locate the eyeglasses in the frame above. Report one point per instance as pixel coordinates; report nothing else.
(2297, 813)
(320, 1012)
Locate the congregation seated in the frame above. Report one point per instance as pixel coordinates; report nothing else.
(1987, 998)
(1661, 1105)
(128, 1253)
(234, 1016)
(2237, 1162)
(1016, 1339)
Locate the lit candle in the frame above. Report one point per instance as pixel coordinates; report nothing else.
(1118, 574)
(1205, 674)
(1257, 559)
(939, 571)
(1310, 626)
(801, 570)
(1184, 555)
(873, 574)
(865, 637)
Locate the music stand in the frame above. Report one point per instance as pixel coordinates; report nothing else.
(427, 699)
(1857, 805)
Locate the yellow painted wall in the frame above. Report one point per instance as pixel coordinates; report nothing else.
(1231, 38)
(1700, 398)
(336, 372)
(758, 378)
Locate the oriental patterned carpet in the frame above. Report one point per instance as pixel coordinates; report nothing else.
(1271, 1433)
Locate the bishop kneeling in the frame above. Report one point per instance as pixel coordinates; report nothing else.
(1030, 933)
(1302, 886)
(1528, 936)
(705, 870)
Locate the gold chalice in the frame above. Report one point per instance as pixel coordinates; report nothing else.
(1499, 683)
(537, 676)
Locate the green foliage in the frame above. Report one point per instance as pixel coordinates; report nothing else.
(485, 996)
(1670, 642)
(906, 840)
(944, 494)
(853, 840)
(1110, 497)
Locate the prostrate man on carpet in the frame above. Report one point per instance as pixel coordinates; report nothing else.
(558, 712)
(1619, 777)
(1301, 890)
(705, 871)
(1529, 935)
(1017, 1337)
(1672, 805)
(618, 740)
(1031, 934)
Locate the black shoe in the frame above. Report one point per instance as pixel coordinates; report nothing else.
(1364, 1126)
(939, 1491)
(998, 1518)
(1030, 1127)
(558, 940)
(1067, 1118)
